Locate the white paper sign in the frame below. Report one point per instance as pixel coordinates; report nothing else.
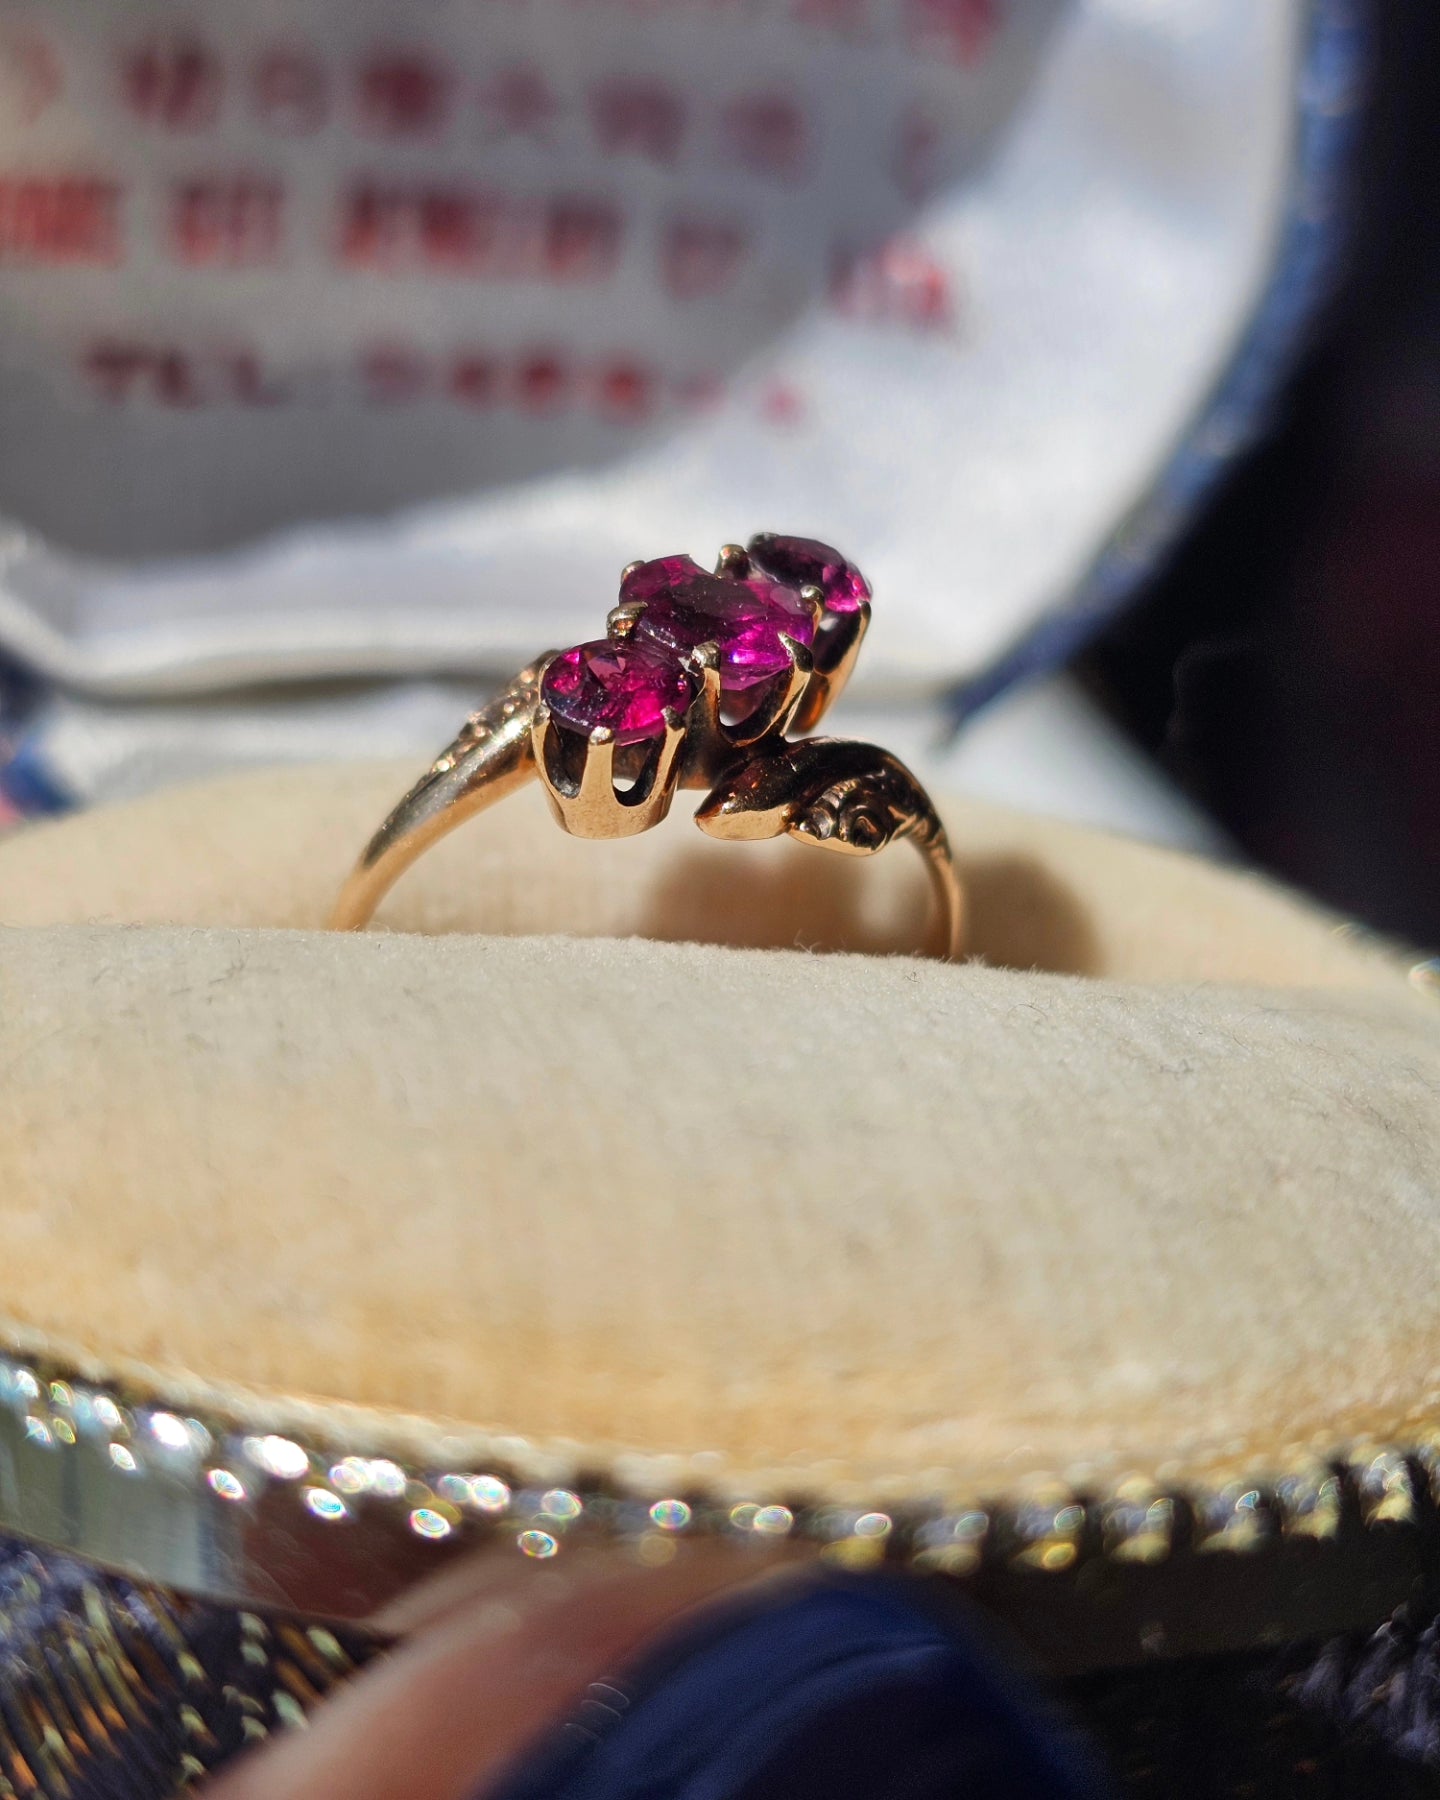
(369, 336)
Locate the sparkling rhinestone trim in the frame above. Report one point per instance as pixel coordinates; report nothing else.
(50, 1412)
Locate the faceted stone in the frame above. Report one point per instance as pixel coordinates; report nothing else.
(650, 580)
(805, 562)
(620, 684)
(745, 620)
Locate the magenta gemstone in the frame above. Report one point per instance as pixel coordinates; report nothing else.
(745, 620)
(649, 581)
(618, 684)
(805, 562)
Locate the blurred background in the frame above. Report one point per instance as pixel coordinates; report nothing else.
(969, 336)
(1282, 669)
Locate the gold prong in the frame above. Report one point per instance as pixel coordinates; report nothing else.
(705, 737)
(709, 669)
(542, 729)
(621, 620)
(840, 646)
(594, 807)
(630, 569)
(802, 667)
(848, 645)
(733, 560)
(668, 758)
(544, 747)
(814, 598)
(597, 771)
(774, 718)
(583, 812)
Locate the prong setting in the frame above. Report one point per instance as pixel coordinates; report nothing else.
(587, 803)
(837, 648)
(597, 772)
(696, 683)
(620, 621)
(737, 706)
(776, 712)
(733, 562)
(707, 741)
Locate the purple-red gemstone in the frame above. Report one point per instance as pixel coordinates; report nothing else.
(805, 562)
(619, 684)
(648, 581)
(745, 620)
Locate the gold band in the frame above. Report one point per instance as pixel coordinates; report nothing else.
(847, 797)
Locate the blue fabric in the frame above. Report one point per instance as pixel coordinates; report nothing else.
(1330, 88)
(852, 1689)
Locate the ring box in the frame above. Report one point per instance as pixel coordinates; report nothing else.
(580, 1206)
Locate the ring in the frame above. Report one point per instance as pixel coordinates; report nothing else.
(697, 684)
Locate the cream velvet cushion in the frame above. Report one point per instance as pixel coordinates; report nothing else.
(1152, 1185)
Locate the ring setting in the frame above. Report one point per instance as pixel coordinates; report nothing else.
(699, 683)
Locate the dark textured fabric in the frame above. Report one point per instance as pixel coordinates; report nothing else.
(1355, 1719)
(113, 1691)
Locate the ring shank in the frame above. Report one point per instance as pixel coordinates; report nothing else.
(494, 756)
(948, 893)
(491, 758)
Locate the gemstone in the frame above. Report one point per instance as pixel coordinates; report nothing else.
(649, 581)
(618, 684)
(805, 562)
(745, 620)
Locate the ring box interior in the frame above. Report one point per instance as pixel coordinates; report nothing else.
(645, 1158)
(374, 347)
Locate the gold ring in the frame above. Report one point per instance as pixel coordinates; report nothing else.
(697, 684)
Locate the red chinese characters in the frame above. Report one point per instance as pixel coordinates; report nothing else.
(461, 230)
(624, 389)
(402, 94)
(226, 221)
(959, 31)
(56, 220)
(174, 81)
